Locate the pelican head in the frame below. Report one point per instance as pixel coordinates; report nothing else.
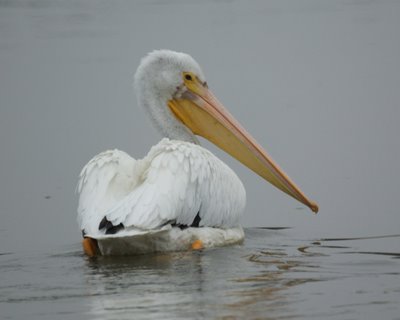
(173, 90)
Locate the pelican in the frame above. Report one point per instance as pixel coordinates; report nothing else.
(180, 196)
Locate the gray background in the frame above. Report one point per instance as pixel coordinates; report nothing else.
(316, 82)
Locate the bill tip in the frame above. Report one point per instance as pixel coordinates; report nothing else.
(314, 207)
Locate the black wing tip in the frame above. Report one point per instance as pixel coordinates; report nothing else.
(103, 223)
(109, 227)
(195, 223)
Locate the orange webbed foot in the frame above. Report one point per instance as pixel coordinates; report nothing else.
(197, 245)
(90, 247)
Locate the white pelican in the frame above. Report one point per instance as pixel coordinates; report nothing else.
(179, 196)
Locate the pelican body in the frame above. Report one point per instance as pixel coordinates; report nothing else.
(180, 196)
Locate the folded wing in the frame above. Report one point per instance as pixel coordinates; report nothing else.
(173, 184)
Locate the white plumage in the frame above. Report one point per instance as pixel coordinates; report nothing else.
(180, 192)
(173, 183)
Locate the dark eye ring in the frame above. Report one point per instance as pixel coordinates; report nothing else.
(188, 77)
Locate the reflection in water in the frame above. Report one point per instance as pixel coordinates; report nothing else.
(266, 291)
(257, 280)
(225, 282)
(158, 284)
(60, 67)
(271, 276)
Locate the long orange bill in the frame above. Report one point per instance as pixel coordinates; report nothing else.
(202, 113)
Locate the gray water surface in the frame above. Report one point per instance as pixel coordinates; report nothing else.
(272, 276)
(316, 82)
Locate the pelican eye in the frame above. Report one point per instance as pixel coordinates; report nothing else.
(188, 77)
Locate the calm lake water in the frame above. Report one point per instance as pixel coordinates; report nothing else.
(271, 276)
(315, 81)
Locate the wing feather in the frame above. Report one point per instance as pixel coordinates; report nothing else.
(105, 180)
(172, 184)
(166, 194)
(183, 180)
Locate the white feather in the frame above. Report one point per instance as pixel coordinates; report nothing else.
(168, 239)
(177, 179)
(156, 81)
(173, 183)
(103, 182)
